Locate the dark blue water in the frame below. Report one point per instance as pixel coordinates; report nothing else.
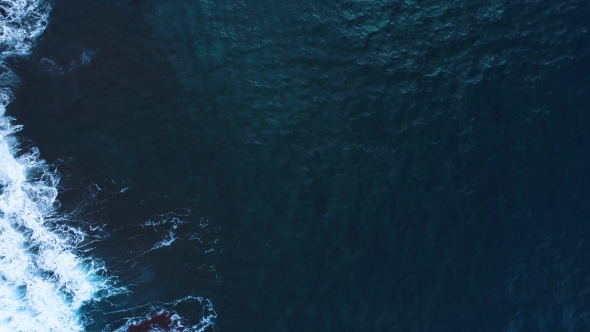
(324, 166)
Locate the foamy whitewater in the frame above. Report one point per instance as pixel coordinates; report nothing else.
(43, 283)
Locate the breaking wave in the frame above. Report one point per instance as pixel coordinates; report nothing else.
(44, 282)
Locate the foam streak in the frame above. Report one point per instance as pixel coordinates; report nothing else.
(43, 282)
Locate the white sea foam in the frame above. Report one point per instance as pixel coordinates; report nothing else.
(43, 282)
(23, 22)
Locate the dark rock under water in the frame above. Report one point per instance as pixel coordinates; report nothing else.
(161, 321)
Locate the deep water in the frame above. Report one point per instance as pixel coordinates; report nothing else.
(324, 165)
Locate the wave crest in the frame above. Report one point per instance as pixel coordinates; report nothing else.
(43, 282)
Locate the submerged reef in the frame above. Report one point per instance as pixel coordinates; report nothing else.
(161, 321)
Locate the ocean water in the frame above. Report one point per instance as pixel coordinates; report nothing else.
(295, 166)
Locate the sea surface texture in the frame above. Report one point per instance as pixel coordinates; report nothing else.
(344, 165)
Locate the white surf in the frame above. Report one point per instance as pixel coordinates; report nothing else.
(43, 281)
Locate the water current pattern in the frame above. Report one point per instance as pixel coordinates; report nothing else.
(346, 165)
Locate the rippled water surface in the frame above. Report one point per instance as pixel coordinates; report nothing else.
(320, 166)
